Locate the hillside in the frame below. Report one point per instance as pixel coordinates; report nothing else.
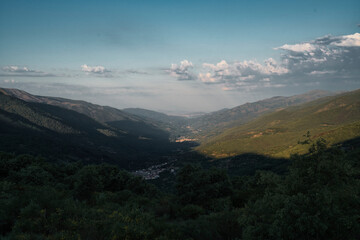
(99, 113)
(335, 118)
(62, 134)
(124, 121)
(175, 125)
(212, 124)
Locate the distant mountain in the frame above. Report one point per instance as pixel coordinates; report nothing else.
(335, 118)
(62, 134)
(175, 125)
(214, 123)
(161, 117)
(99, 113)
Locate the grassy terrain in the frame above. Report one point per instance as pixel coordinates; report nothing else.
(335, 118)
(213, 124)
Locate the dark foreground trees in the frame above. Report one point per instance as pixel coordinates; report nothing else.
(319, 198)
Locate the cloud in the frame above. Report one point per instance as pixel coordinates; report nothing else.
(325, 60)
(246, 75)
(321, 72)
(349, 40)
(16, 71)
(302, 47)
(133, 71)
(94, 69)
(182, 71)
(339, 55)
(9, 81)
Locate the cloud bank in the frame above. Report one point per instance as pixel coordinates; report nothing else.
(320, 61)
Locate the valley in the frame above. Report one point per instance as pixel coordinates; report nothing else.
(179, 120)
(140, 140)
(73, 170)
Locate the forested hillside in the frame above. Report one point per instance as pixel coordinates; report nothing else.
(319, 198)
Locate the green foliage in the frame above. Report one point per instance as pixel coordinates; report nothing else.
(318, 198)
(203, 188)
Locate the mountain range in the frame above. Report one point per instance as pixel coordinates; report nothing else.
(133, 138)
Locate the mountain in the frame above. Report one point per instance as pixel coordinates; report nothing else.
(175, 125)
(335, 118)
(209, 125)
(161, 117)
(122, 120)
(99, 113)
(212, 124)
(63, 134)
(134, 137)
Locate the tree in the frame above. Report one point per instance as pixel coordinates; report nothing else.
(318, 199)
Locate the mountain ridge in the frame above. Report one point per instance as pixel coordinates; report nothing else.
(217, 121)
(67, 135)
(276, 134)
(98, 112)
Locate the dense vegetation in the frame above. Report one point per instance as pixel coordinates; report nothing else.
(319, 198)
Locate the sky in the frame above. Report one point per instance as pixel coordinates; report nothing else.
(178, 56)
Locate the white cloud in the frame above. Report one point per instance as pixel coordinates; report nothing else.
(94, 69)
(352, 40)
(301, 47)
(16, 71)
(328, 54)
(327, 59)
(207, 78)
(9, 81)
(182, 71)
(251, 72)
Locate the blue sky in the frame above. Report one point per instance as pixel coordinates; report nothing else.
(178, 56)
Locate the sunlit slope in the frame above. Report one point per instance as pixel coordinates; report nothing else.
(335, 118)
(213, 124)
